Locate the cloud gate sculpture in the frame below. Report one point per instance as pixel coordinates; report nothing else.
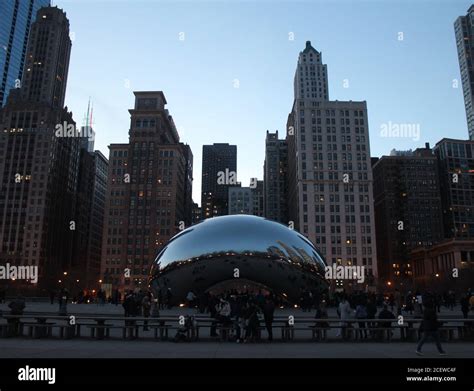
(230, 248)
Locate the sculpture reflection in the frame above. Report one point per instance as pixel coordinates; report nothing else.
(238, 246)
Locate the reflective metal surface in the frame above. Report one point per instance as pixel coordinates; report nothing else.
(250, 247)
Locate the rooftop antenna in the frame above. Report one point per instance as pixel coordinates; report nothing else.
(92, 110)
(87, 116)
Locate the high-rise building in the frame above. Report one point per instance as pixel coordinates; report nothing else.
(330, 175)
(456, 168)
(407, 211)
(240, 200)
(38, 164)
(219, 171)
(275, 173)
(188, 186)
(90, 208)
(49, 48)
(464, 31)
(196, 213)
(258, 198)
(147, 193)
(16, 17)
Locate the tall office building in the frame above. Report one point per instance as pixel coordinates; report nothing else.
(456, 168)
(90, 209)
(464, 31)
(197, 215)
(240, 200)
(275, 171)
(330, 175)
(16, 17)
(407, 211)
(39, 167)
(219, 171)
(258, 198)
(148, 191)
(188, 187)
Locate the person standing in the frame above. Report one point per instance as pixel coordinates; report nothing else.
(169, 297)
(418, 305)
(371, 311)
(161, 302)
(429, 328)
(190, 298)
(52, 294)
(465, 306)
(127, 304)
(398, 301)
(17, 307)
(344, 311)
(146, 307)
(409, 303)
(252, 322)
(268, 312)
(361, 313)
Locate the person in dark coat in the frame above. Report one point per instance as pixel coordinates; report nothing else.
(252, 322)
(169, 297)
(52, 295)
(128, 304)
(465, 306)
(146, 307)
(371, 311)
(268, 311)
(16, 308)
(429, 328)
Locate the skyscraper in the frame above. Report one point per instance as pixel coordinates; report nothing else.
(89, 212)
(275, 173)
(330, 176)
(16, 17)
(188, 186)
(464, 31)
(258, 198)
(38, 165)
(148, 193)
(407, 211)
(219, 171)
(90, 208)
(456, 168)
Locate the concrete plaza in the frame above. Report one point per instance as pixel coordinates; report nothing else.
(86, 348)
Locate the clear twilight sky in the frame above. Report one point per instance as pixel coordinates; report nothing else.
(121, 46)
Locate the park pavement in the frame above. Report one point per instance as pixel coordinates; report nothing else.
(86, 348)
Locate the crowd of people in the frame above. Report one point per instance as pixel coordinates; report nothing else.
(240, 314)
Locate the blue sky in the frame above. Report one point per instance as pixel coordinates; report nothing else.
(124, 45)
